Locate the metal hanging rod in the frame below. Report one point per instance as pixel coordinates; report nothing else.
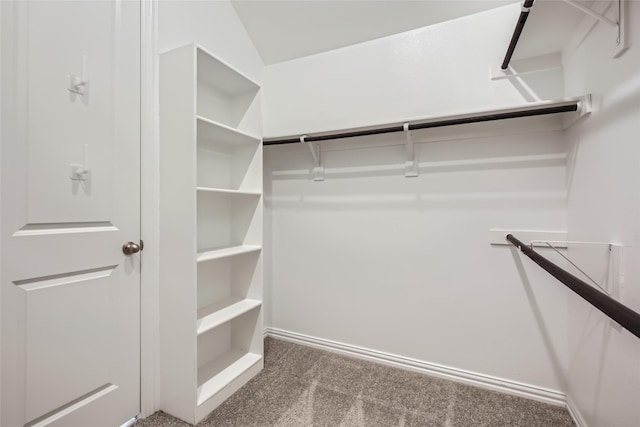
(537, 109)
(524, 14)
(621, 314)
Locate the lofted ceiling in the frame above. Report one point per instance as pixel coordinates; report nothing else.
(284, 30)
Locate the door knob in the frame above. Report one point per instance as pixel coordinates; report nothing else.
(130, 248)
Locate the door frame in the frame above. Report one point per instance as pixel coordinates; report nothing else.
(149, 210)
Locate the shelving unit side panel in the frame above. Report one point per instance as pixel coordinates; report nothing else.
(214, 343)
(246, 221)
(178, 301)
(257, 330)
(245, 331)
(215, 212)
(214, 104)
(247, 114)
(246, 275)
(215, 169)
(247, 224)
(214, 281)
(246, 170)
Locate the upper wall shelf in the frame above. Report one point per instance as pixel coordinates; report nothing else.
(574, 107)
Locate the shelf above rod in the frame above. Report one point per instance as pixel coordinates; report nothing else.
(580, 105)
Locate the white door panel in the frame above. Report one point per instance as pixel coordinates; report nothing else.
(70, 305)
(75, 338)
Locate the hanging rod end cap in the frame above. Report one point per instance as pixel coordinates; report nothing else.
(302, 138)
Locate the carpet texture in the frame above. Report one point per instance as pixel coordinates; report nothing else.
(302, 386)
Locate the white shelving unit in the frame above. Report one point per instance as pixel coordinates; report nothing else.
(211, 231)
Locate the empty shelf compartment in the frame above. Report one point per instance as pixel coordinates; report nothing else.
(211, 254)
(216, 314)
(217, 374)
(226, 220)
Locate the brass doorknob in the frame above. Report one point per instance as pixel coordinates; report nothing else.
(130, 248)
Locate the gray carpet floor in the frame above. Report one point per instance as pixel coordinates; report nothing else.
(302, 386)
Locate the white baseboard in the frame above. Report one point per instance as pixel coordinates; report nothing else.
(472, 378)
(575, 413)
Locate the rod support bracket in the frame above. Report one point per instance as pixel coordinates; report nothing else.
(411, 165)
(618, 24)
(316, 153)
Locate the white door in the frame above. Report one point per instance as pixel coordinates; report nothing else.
(70, 168)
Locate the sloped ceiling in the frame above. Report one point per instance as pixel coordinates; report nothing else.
(284, 30)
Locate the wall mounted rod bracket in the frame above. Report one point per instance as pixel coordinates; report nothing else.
(616, 311)
(314, 147)
(550, 244)
(585, 107)
(615, 269)
(592, 13)
(619, 24)
(411, 166)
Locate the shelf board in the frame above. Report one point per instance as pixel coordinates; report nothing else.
(214, 315)
(208, 255)
(214, 376)
(228, 191)
(228, 79)
(210, 130)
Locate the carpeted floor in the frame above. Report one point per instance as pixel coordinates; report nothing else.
(302, 386)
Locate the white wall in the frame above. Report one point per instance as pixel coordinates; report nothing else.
(374, 259)
(435, 70)
(213, 25)
(604, 205)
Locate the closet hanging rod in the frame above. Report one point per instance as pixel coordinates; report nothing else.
(621, 314)
(524, 14)
(537, 109)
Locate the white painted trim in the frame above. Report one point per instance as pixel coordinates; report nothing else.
(528, 391)
(575, 413)
(149, 210)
